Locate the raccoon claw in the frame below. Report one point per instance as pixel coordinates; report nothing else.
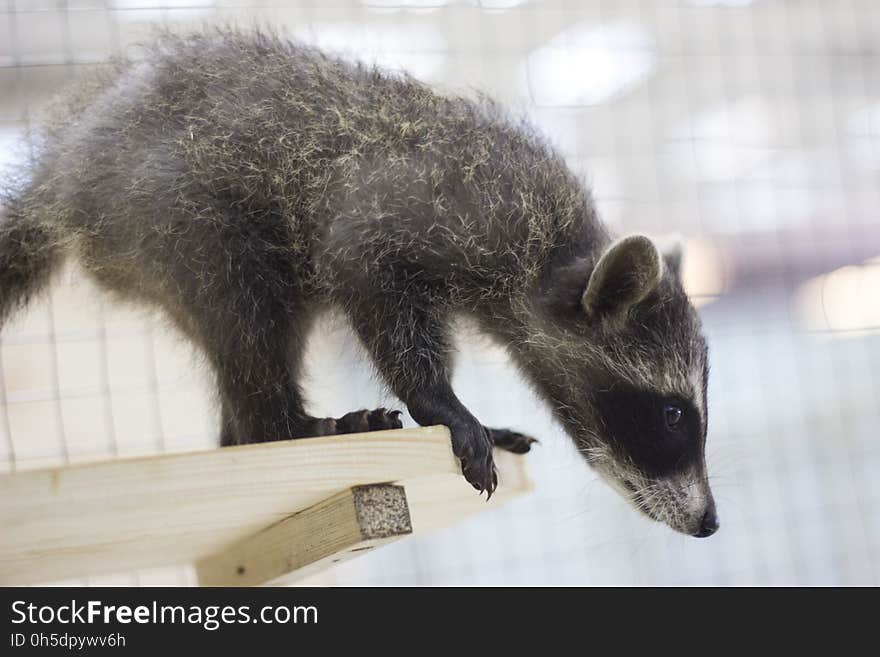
(512, 441)
(364, 420)
(382, 418)
(474, 450)
(481, 478)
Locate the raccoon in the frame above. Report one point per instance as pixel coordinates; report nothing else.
(243, 183)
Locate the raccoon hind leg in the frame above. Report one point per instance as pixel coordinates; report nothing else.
(234, 286)
(252, 321)
(361, 421)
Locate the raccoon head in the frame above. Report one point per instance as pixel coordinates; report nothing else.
(636, 359)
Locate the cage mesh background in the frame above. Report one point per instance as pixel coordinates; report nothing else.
(752, 128)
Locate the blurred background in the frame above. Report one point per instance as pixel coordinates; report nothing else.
(752, 128)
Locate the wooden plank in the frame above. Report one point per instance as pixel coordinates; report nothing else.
(155, 511)
(348, 524)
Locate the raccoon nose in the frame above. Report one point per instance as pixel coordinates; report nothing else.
(709, 523)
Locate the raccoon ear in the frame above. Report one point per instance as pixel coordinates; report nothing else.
(626, 273)
(672, 248)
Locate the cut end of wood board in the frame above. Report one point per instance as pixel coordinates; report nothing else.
(381, 511)
(136, 513)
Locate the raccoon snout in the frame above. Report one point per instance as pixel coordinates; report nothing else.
(708, 524)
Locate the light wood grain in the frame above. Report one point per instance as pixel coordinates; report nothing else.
(347, 525)
(154, 511)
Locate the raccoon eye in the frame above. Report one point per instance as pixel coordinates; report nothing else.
(672, 414)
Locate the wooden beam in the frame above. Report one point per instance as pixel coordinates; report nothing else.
(344, 526)
(122, 515)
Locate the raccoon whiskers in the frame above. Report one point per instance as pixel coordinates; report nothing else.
(653, 500)
(595, 455)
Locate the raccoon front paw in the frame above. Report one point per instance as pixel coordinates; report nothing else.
(512, 441)
(470, 443)
(359, 422)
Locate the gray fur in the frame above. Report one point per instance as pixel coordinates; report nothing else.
(242, 183)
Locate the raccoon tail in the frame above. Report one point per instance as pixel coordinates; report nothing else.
(28, 255)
